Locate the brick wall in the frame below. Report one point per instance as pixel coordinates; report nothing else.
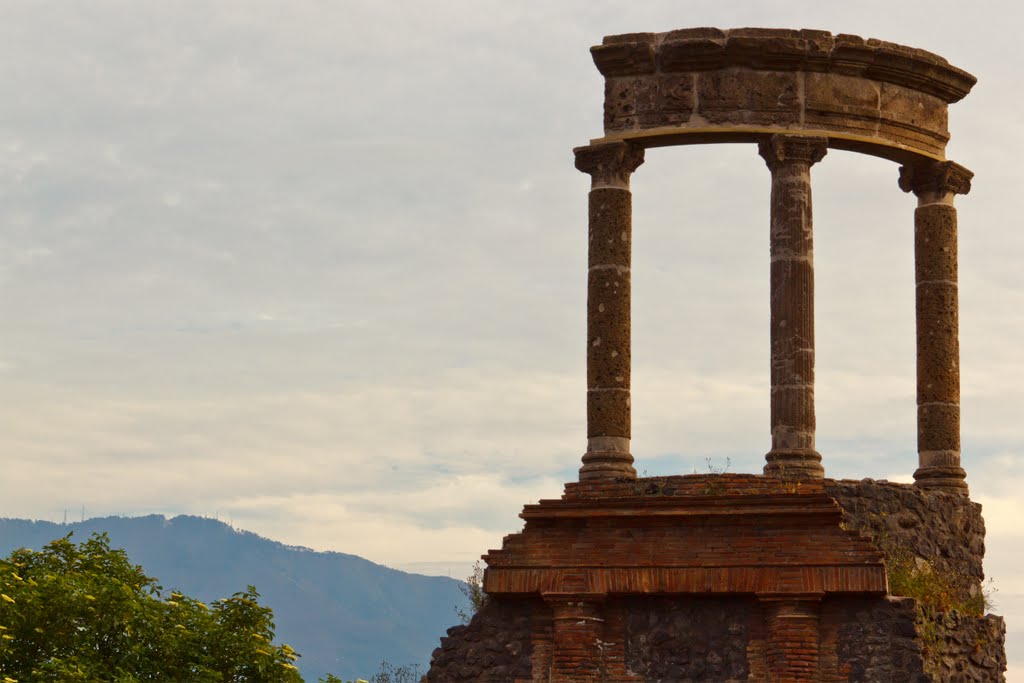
(680, 609)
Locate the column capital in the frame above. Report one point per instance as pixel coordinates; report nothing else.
(937, 180)
(609, 163)
(802, 149)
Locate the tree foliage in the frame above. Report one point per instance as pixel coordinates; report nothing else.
(84, 612)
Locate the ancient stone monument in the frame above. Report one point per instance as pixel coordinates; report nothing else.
(784, 576)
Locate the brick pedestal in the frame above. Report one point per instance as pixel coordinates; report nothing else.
(578, 628)
(792, 643)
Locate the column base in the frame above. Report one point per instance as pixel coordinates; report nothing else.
(610, 465)
(942, 479)
(794, 464)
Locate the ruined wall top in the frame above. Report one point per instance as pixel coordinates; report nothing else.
(710, 85)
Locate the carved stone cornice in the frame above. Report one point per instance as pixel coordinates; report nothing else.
(935, 178)
(779, 149)
(781, 50)
(609, 163)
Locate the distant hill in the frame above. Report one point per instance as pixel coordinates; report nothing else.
(344, 614)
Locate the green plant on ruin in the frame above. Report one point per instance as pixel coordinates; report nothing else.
(473, 589)
(712, 485)
(788, 481)
(935, 591)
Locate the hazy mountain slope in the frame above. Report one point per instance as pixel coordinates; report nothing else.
(344, 614)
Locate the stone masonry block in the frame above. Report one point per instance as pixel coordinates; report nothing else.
(935, 243)
(608, 329)
(837, 94)
(608, 413)
(938, 427)
(610, 226)
(748, 97)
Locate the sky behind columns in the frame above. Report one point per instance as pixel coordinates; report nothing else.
(318, 268)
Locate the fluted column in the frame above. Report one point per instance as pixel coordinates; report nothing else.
(608, 308)
(793, 454)
(938, 345)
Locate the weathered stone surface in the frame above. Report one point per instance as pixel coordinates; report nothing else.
(699, 639)
(874, 640)
(748, 97)
(793, 454)
(904, 107)
(610, 227)
(964, 648)
(609, 164)
(935, 243)
(608, 308)
(689, 53)
(495, 647)
(720, 577)
(934, 180)
(624, 58)
(725, 640)
(707, 32)
(835, 102)
(938, 346)
(938, 342)
(667, 636)
(938, 429)
(608, 412)
(667, 102)
(947, 531)
(608, 329)
(866, 95)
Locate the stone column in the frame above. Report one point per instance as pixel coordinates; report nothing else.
(608, 308)
(577, 630)
(793, 638)
(790, 157)
(938, 345)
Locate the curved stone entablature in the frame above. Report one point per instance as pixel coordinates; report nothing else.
(709, 85)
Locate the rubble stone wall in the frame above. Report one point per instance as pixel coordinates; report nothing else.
(946, 530)
(960, 648)
(495, 647)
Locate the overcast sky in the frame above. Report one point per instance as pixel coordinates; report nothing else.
(318, 268)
